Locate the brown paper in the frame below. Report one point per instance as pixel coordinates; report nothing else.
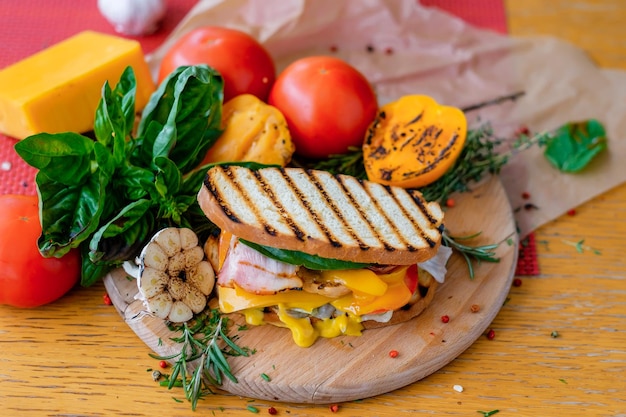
(405, 48)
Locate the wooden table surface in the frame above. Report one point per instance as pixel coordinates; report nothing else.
(77, 357)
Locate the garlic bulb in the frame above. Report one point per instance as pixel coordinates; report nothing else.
(133, 17)
(174, 280)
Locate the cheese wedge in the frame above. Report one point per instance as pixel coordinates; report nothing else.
(58, 89)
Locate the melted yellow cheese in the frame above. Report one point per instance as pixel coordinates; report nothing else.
(236, 299)
(363, 280)
(359, 303)
(59, 88)
(353, 305)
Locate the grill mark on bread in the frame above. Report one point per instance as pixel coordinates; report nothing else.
(339, 213)
(362, 213)
(419, 202)
(396, 228)
(279, 206)
(310, 210)
(221, 200)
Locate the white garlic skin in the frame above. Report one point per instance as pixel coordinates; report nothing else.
(133, 17)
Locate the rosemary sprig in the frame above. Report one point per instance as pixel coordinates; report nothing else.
(206, 343)
(484, 253)
(478, 157)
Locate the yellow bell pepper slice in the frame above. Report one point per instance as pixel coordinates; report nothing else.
(253, 131)
(413, 141)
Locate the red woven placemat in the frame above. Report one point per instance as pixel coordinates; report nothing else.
(28, 26)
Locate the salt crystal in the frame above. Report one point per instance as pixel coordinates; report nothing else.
(458, 388)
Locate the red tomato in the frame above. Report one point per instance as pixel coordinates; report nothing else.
(328, 105)
(27, 279)
(411, 279)
(243, 62)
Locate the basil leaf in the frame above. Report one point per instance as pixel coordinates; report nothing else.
(188, 107)
(69, 214)
(168, 179)
(64, 157)
(91, 272)
(572, 146)
(126, 90)
(303, 259)
(133, 182)
(115, 115)
(109, 125)
(120, 237)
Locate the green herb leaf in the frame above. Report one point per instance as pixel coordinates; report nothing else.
(124, 234)
(303, 259)
(69, 214)
(572, 146)
(65, 157)
(488, 413)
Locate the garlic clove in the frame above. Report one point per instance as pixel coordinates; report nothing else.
(154, 257)
(152, 281)
(202, 277)
(169, 240)
(188, 239)
(160, 305)
(180, 312)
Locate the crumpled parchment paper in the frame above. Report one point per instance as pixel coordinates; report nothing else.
(403, 48)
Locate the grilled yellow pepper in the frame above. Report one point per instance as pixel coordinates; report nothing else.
(253, 131)
(413, 141)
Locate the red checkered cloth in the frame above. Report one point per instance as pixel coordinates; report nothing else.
(28, 26)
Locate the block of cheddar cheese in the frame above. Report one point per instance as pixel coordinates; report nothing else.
(58, 89)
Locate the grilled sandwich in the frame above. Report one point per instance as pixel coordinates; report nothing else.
(321, 254)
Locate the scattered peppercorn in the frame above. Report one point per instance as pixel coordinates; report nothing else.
(107, 299)
(523, 130)
(571, 212)
(517, 282)
(491, 334)
(389, 51)
(156, 375)
(530, 206)
(525, 195)
(445, 319)
(333, 48)
(272, 411)
(334, 408)
(474, 308)
(163, 364)
(450, 202)
(393, 353)
(554, 334)
(370, 48)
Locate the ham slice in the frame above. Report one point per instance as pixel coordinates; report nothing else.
(255, 272)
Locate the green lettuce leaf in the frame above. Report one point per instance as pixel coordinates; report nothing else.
(293, 257)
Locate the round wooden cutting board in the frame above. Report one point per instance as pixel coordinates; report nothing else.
(350, 368)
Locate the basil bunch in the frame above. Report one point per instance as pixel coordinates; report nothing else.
(108, 196)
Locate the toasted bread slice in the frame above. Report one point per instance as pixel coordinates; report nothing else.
(316, 212)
